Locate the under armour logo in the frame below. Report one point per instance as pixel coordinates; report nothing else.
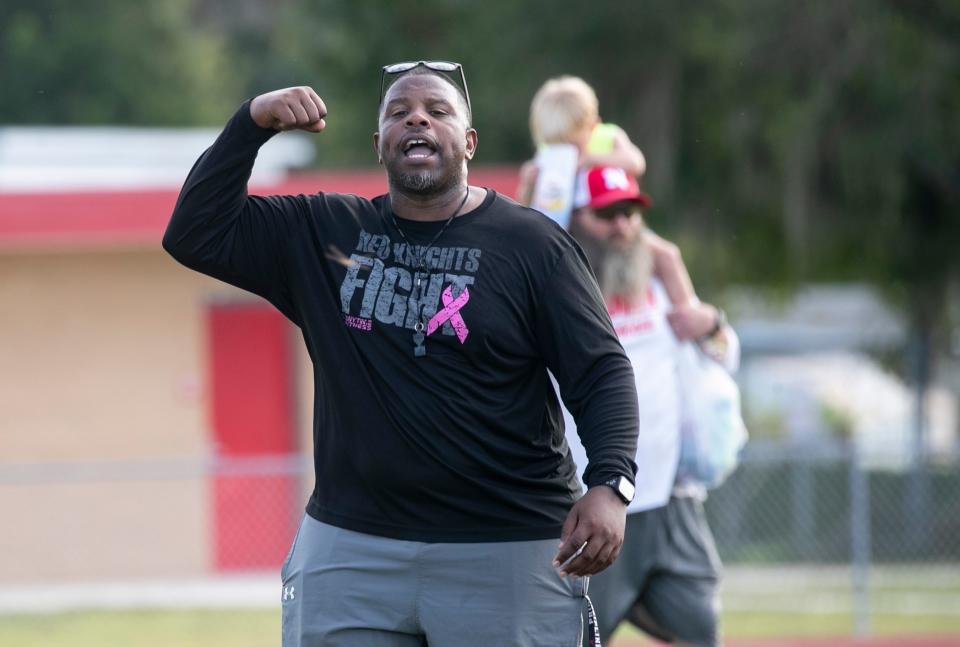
(288, 593)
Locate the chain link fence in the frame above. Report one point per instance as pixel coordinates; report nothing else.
(812, 529)
(804, 530)
(791, 505)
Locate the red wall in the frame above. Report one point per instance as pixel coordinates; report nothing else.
(252, 414)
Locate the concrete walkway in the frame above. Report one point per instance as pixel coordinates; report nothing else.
(235, 591)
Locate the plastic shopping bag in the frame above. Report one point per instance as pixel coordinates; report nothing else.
(712, 432)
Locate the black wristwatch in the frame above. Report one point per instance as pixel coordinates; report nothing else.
(623, 487)
(718, 324)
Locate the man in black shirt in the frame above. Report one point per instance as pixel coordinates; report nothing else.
(432, 315)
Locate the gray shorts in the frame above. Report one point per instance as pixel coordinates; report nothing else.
(666, 579)
(347, 588)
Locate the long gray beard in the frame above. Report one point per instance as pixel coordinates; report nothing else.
(620, 273)
(625, 274)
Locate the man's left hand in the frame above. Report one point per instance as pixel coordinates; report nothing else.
(598, 519)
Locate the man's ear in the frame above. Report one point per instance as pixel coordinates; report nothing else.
(471, 148)
(376, 147)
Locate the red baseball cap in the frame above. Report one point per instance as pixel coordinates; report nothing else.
(601, 186)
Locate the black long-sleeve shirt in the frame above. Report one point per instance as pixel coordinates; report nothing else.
(465, 443)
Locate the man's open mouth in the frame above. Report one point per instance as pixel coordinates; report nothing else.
(418, 148)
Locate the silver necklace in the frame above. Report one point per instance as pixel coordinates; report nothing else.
(419, 350)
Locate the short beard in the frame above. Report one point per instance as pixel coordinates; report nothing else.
(621, 273)
(424, 182)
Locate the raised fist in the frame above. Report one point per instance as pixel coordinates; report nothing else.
(298, 108)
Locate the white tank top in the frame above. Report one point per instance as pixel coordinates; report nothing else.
(652, 348)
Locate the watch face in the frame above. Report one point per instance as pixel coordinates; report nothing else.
(627, 489)
(623, 487)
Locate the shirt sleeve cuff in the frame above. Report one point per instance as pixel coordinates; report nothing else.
(249, 128)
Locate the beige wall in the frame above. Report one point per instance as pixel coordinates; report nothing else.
(102, 358)
(103, 530)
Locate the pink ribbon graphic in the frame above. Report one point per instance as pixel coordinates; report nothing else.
(451, 311)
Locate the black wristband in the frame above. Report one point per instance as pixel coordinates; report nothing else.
(718, 325)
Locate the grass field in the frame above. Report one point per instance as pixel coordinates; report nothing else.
(763, 607)
(261, 628)
(161, 628)
(741, 627)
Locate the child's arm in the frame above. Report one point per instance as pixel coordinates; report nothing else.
(625, 155)
(669, 268)
(528, 181)
(689, 318)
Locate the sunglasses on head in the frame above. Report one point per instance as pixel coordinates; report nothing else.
(626, 209)
(445, 67)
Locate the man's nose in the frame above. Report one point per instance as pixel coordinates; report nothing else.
(621, 221)
(417, 117)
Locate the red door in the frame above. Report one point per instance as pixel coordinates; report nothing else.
(255, 494)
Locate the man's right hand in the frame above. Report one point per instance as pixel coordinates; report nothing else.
(298, 108)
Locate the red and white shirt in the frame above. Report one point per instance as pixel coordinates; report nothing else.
(652, 348)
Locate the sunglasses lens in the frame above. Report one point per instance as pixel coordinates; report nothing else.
(396, 68)
(441, 66)
(611, 213)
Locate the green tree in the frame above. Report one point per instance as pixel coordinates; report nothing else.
(111, 62)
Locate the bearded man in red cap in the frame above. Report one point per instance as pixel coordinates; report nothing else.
(666, 578)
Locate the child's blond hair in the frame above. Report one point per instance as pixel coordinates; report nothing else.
(563, 107)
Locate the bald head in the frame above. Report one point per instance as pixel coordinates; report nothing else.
(422, 72)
